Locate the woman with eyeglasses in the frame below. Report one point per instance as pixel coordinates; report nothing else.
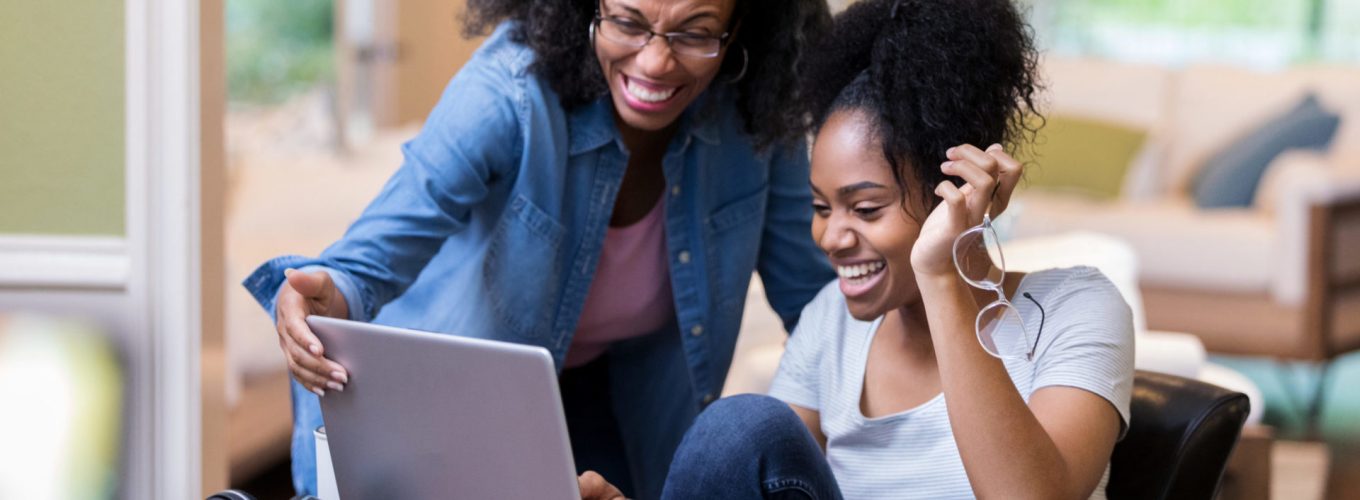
(926, 370)
(600, 179)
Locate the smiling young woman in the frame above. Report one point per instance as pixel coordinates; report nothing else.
(600, 179)
(896, 383)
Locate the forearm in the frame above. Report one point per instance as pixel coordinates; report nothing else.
(1005, 450)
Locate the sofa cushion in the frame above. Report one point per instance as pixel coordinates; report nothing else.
(1087, 156)
(1230, 177)
(1178, 245)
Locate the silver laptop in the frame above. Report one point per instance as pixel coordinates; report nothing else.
(440, 416)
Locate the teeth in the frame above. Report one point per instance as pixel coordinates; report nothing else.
(859, 270)
(645, 95)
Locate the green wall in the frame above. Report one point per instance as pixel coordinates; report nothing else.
(61, 117)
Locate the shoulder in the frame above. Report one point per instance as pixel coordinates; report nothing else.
(1083, 284)
(824, 318)
(500, 64)
(501, 51)
(829, 301)
(1078, 304)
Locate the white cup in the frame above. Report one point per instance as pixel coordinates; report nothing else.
(325, 473)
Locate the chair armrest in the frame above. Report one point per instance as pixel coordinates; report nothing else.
(1180, 434)
(1298, 189)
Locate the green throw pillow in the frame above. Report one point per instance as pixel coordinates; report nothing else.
(1081, 155)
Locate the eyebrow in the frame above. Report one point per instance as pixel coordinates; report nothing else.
(859, 186)
(633, 11)
(847, 190)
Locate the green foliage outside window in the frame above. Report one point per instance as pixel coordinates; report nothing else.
(276, 48)
(1251, 32)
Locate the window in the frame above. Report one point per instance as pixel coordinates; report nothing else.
(1256, 33)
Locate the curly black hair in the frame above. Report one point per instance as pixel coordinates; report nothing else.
(930, 75)
(776, 34)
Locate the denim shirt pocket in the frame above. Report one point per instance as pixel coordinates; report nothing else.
(521, 272)
(734, 231)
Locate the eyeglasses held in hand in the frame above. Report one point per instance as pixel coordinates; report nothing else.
(1000, 328)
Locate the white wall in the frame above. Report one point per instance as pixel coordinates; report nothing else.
(143, 289)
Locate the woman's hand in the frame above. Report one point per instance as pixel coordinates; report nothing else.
(990, 177)
(594, 487)
(304, 294)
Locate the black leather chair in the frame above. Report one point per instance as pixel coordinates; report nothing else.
(1179, 439)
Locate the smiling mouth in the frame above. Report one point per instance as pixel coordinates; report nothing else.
(859, 274)
(648, 95)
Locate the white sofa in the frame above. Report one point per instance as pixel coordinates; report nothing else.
(1279, 278)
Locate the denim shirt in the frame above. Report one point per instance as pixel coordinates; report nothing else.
(495, 222)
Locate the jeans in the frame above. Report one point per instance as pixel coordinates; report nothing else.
(750, 447)
(306, 418)
(594, 430)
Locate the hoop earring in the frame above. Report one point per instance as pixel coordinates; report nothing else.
(745, 60)
(592, 34)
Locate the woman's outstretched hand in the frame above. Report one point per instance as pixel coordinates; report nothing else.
(990, 178)
(594, 487)
(303, 294)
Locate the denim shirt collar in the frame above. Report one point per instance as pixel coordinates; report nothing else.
(592, 125)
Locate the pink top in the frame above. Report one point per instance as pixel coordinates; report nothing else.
(631, 293)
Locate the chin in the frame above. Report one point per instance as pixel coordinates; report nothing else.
(864, 312)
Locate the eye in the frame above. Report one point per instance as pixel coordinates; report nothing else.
(867, 212)
(692, 39)
(628, 26)
(821, 209)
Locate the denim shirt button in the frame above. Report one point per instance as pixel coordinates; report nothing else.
(708, 399)
(697, 330)
(675, 190)
(684, 257)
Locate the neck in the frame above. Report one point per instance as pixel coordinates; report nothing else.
(906, 328)
(645, 142)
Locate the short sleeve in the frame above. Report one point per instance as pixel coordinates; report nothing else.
(1088, 340)
(799, 376)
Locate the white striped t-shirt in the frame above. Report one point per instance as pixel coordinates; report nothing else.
(1087, 343)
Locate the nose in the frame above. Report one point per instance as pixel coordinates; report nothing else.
(837, 236)
(656, 58)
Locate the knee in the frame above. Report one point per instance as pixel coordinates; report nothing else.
(738, 420)
(745, 407)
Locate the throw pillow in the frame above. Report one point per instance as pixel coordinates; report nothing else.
(1082, 155)
(1230, 177)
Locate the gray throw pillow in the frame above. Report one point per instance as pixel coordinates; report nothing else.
(1230, 177)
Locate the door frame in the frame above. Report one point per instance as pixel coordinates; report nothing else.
(163, 241)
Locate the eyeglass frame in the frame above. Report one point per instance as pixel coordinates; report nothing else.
(999, 288)
(669, 36)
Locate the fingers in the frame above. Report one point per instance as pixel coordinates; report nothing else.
(594, 487)
(955, 200)
(979, 170)
(1008, 177)
(972, 154)
(301, 347)
(292, 309)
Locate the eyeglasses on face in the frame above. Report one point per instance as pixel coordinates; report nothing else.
(630, 33)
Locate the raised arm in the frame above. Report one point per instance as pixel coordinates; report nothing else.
(1057, 445)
